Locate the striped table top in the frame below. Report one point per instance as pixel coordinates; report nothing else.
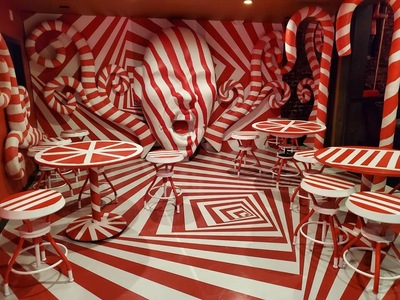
(288, 128)
(363, 160)
(31, 204)
(381, 207)
(88, 154)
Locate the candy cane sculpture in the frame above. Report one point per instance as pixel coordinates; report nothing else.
(390, 102)
(100, 104)
(258, 91)
(291, 53)
(16, 102)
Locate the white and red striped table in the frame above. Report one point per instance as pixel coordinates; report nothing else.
(363, 160)
(92, 155)
(284, 128)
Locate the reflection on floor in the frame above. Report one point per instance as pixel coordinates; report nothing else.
(232, 240)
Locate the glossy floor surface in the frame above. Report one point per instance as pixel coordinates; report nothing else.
(231, 240)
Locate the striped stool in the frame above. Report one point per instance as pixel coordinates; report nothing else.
(307, 159)
(332, 189)
(379, 207)
(37, 205)
(164, 162)
(75, 134)
(245, 156)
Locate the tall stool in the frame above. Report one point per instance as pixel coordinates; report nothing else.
(37, 205)
(245, 156)
(332, 189)
(285, 155)
(75, 134)
(379, 207)
(307, 159)
(164, 162)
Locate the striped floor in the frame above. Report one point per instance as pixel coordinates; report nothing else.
(232, 240)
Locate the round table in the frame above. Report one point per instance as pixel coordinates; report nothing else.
(92, 155)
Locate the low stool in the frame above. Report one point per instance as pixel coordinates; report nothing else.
(34, 208)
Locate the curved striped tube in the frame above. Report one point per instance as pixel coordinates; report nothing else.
(278, 93)
(15, 161)
(99, 104)
(343, 24)
(291, 53)
(114, 82)
(304, 90)
(52, 98)
(232, 92)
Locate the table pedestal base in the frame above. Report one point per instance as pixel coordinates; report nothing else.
(85, 229)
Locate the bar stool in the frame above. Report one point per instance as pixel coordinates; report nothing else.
(245, 156)
(37, 205)
(54, 141)
(378, 207)
(330, 189)
(307, 159)
(164, 162)
(285, 155)
(75, 133)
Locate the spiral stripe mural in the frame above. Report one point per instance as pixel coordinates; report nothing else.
(291, 52)
(99, 104)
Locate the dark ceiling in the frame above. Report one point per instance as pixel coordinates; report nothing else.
(275, 11)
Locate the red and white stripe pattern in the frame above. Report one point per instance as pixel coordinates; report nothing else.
(328, 185)
(99, 104)
(291, 53)
(182, 256)
(179, 89)
(5, 73)
(31, 204)
(381, 207)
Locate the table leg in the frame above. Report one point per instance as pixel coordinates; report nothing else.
(96, 226)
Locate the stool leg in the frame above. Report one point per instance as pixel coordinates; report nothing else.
(81, 191)
(295, 191)
(62, 255)
(257, 160)
(10, 265)
(334, 241)
(241, 156)
(377, 273)
(177, 200)
(41, 177)
(304, 220)
(112, 187)
(66, 180)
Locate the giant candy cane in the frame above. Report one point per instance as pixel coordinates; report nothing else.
(390, 102)
(100, 104)
(239, 108)
(15, 100)
(291, 53)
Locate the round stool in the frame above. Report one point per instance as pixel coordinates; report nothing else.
(379, 207)
(284, 156)
(332, 189)
(307, 159)
(37, 205)
(245, 156)
(54, 141)
(75, 133)
(164, 162)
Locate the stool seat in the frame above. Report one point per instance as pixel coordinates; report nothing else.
(164, 162)
(305, 156)
(37, 205)
(245, 156)
(54, 141)
(328, 185)
(74, 133)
